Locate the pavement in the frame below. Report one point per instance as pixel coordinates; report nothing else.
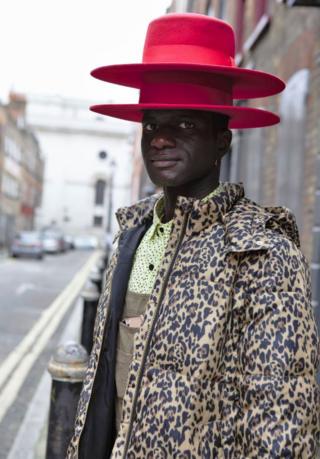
(3, 254)
(30, 332)
(30, 442)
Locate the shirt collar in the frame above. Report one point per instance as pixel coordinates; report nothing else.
(158, 212)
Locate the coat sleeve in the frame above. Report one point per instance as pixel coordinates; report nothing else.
(278, 351)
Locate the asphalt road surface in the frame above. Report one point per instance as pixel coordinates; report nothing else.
(33, 295)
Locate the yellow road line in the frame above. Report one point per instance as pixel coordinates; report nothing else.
(17, 365)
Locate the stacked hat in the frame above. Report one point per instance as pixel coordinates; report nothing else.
(188, 63)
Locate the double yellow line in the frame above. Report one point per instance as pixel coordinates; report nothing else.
(16, 367)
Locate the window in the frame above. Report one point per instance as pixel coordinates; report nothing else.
(259, 23)
(222, 9)
(100, 191)
(302, 2)
(290, 163)
(10, 186)
(225, 169)
(260, 10)
(239, 25)
(209, 8)
(97, 221)
(103, 154)
(12, 149)
(190, 6)
(247, 158)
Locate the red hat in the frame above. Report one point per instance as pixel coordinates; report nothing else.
(188, 63)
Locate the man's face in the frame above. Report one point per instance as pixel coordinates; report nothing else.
(178, 146)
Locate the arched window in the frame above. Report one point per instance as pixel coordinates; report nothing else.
(247, 161)
(103, 154)
(100, 192)
(290, 155)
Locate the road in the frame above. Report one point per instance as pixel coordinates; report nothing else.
(34, 304)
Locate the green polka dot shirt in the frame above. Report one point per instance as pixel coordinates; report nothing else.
(151, 250)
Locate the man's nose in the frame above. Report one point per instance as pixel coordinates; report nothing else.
(161, 141)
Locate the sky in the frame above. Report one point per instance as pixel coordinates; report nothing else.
(49, 47)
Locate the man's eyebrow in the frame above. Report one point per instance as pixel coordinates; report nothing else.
(188, 115)
(148, 118)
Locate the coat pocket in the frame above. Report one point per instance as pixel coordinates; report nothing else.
(216, 441)
(123, 361)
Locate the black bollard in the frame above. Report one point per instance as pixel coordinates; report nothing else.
(105, 259)
(106, 255)
(67, 368)
(96, 277)
(100, 265)
(102, 269)
(90, 297)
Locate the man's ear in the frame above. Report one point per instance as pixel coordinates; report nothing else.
(224, 139)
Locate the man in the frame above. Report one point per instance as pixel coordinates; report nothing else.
(205, 342)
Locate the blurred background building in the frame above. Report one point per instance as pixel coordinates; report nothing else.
(88, 165)
(21, 170)
(141, 185)
(61, 167)
(83, 167)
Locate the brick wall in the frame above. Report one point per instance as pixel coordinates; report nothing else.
(289, 42)
(292, 43)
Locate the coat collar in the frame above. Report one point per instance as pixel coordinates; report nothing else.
(245, 223)
(201, 213)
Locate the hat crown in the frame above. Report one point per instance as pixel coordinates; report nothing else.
(189, 38)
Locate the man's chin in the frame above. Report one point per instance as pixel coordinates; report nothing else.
(167, 182)
(165, 179)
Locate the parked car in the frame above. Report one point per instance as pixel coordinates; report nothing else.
(86, 242)
(27, 243)
(69, 242)
(53, 241)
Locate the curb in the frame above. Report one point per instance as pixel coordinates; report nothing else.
(30, 442)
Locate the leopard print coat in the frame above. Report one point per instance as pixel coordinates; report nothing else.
(225, 360)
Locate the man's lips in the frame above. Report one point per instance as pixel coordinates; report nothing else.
(162, 163)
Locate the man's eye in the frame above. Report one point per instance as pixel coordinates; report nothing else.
(186, 125)
(149, 127)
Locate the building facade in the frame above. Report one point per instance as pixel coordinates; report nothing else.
(141, 185)
(21, 171)
(88, 165)
(279, 165)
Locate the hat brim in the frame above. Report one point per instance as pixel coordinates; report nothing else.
(240, 117)
(246, 83)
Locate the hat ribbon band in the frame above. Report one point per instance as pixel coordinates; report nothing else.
(186, 54)
(183, 93)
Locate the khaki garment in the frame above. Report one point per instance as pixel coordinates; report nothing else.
(225, 359)
(135, 305)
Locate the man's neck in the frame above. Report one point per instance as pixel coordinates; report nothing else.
(191, 190)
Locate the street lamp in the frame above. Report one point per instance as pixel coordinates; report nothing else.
(112, 166)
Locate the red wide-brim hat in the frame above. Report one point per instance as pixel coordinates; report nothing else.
(188, 63)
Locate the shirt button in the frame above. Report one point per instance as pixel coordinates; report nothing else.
(151, 266)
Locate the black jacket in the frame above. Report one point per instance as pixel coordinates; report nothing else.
(99, 434)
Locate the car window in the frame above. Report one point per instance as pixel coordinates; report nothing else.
(29, 237)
